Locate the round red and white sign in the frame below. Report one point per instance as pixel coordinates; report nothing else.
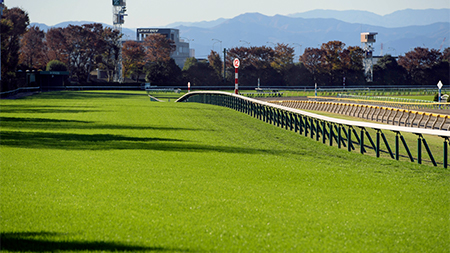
(236, 63)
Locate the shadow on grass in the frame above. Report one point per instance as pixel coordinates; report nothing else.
(43, 123)
(69, 141)
(49, 242)
(46, 109)
(84, 95)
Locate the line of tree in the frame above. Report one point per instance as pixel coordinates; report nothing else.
(332, 64)
(81, 49)
(417, 67)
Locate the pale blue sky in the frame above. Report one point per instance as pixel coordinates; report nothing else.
(145, 13)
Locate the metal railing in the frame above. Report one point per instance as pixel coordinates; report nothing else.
(380, 114)
(262, 94)
(165, 90)
(327, 129)
(19, 90)
(396, 103)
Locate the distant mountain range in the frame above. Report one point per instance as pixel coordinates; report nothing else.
(401, 18)
(398, 32)
(408, 17)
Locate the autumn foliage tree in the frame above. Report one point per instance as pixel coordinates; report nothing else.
(83, 48)
(283, 57)
(333, 61)
(158, 48)
(255, 64)
(332, 56)
(352, 64)
(215, 62)
(313, 59)
(258, 57)
(13, 25)
(420, 64)
(32, 49)
(56, 43)
(150, 57)
(133, 54)
(84, 44)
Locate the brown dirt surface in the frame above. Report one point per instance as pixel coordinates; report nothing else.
(435, 111)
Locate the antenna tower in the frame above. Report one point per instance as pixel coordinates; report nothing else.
(367, 40)
(119, 9)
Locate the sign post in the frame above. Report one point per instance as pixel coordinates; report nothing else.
(236, 64)
(439, 85)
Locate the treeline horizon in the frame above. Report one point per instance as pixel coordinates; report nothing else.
(85, 48)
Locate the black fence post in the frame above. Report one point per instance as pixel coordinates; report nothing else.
(446, 153)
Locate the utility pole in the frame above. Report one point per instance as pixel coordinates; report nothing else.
(224, 65)
(1, 14)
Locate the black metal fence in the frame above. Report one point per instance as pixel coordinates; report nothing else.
(353, 135)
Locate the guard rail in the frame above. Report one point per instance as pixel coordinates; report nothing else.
(328, 129)
(380, 114)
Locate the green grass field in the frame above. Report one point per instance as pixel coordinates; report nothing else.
(112, 171)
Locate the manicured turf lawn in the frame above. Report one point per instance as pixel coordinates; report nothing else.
(107, 171)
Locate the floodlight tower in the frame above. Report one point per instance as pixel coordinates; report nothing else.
(367, 40)
(119, 9)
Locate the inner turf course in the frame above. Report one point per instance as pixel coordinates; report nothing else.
(106, 171)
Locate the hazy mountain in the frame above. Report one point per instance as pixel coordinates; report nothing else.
(202, 24)
(258, 29)
(129, 34)
(42, 26)
(311, 30)
(401, 18)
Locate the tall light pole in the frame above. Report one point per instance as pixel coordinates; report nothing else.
(392, 49)
(248, 43)
(300, 46)
(119, 9)
(224, 56)
(216, 40)
(189, 40)
(189, 44)
(268, 42)
(300, 50)
(1, 14)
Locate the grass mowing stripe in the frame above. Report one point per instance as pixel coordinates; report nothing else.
(103, 171)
